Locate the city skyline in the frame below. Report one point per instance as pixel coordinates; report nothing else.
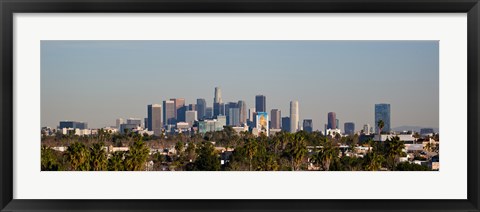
(352, 100)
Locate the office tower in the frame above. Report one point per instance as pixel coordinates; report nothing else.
(155, 119)
(191, 117)
(227, 109)
(218, 109)
(73, 124)
(135, 121)
(234, 117)
(208, 113)
(242, 107)
(286, 124)
(308, 125)
(349, 128)
(145, 122)
(294, 116)
(192, 107)
(118, 122)
(260, 103)
(201, 108)
(218, 95)
(382, 112)
(337, 124)
(251, 114)
(169, 112)
(275, 117)
(332, 120)
(180, 109)
(366, 129)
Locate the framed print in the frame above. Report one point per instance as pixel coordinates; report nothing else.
(240, 105)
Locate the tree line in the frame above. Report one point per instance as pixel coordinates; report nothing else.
(283, 151)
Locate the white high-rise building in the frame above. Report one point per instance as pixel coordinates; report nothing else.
(118, 122)
(251, 114)
(366, 129)
(294, 116)
(218, 95)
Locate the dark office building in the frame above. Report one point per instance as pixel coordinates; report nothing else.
(349, 128)
(260, 103)
(286, 124)
(73, 124)
(308, 125)
(201, 109)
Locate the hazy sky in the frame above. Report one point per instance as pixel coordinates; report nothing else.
(99, 81)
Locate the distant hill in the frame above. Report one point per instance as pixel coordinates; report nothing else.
(412, 128)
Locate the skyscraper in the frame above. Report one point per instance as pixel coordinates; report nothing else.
(260, 103)
(251, 114)
(218, 109)
(169, 112)
(208, 113)
(308, 125)
(234, 116)
(286, 124)
(275, 117)
(155, 119)
(332, 120)
(294, 116)
(192, 107)
(179, 109)
(349, 128)
(366, 129)
(382, 112)
(242, 107)
(218, 95)
(201, 108)
(191, 117)
(118, 122)
(228, 106)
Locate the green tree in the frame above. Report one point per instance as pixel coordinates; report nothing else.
(394, 147)
(98, 157)
(136, 156)
(179, 147)
(406, 166)
(251, 149)
(78, 156)
(207, 159)
(49, 160)
(328, 153)
(115, 162)
(296, 151)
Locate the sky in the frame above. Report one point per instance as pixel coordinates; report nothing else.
(100, 81)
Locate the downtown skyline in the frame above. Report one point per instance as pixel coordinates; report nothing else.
(352, 96)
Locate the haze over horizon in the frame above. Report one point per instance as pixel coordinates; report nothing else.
(99, 81)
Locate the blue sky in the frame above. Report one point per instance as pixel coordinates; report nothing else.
(99, 81)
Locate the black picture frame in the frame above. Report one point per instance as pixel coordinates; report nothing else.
(9, 7)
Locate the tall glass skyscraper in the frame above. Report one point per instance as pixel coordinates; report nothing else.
(260, 103)
(201, 108)
(382, 112)
(242, 106)
(294, 116)
(169, 112)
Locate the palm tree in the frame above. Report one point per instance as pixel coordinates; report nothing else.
(328, 153)
(115, 162)
(78, 156)
(394, 150)
(98, 157)
(251, 149)
(296, 151)
(373, 161)
(136, 156)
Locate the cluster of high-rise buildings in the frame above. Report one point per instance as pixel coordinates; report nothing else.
(175, 115)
